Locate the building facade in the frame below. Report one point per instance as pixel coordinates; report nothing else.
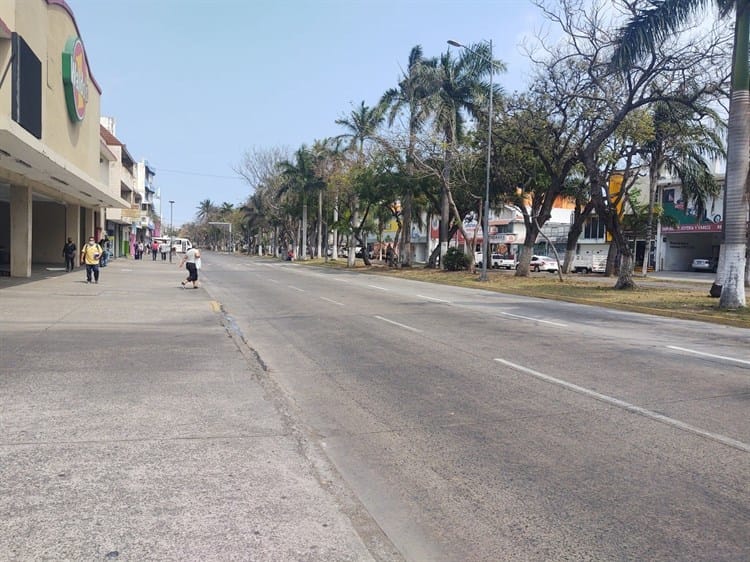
(54, 168)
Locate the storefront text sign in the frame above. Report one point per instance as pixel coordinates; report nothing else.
(75, 79)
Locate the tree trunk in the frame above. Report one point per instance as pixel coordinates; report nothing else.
(653, 178)
(731, 271)
(320, 224)
(405, 248)
(304, 228)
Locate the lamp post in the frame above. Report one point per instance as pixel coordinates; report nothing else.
(171, 229)
(486, 222)
(229, 224)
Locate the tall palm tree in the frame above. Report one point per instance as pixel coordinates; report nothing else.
(301, 177)
(410, 96)
(460, 91)
(206, 210)
(361, 126)
(649, 28)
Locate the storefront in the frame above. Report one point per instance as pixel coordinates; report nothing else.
(689, 231)
(54, 180)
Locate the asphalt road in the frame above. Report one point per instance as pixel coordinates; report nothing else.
(479, 426)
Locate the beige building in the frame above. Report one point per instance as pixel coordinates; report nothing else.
(54, 165)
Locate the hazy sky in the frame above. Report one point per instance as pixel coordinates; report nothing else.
(193, 84)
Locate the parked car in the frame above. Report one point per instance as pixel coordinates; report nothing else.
(543, 263)
(705, 264)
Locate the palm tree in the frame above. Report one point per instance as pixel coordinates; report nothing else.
(361, 126)
(226, 209)
(651, 27)
(206, 210)
(460, 90)
(410, 96)
(301, 177)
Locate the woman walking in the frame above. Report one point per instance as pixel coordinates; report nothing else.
(192, 261)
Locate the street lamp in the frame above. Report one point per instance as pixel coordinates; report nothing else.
(229, 224)
(171, 230)
(486, 222)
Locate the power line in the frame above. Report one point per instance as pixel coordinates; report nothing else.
(185, 173)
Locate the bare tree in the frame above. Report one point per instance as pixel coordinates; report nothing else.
(685, 73)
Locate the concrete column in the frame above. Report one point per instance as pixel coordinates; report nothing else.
(88, 223)
(20, 231)
(73, 223)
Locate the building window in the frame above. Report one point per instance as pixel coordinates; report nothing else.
(26, 91)
(594, 229)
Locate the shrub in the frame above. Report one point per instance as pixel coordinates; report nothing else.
(456, 260)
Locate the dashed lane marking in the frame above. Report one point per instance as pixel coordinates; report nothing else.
(631, 407)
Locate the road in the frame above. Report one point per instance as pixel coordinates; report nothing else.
(479, 426)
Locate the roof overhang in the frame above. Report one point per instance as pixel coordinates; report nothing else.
(29, 162)
(5, 32)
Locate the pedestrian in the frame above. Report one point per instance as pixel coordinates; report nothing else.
(69, 252)
(90, 256)
(163, 249)
(141, 249)
(104, 243)
(154, 249)
(192, 262)
(389, 255)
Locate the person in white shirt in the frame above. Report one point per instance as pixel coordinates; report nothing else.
(191, 260)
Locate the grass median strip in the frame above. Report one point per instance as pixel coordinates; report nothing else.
(664, 298)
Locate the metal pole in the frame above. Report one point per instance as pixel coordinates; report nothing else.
(171, 230)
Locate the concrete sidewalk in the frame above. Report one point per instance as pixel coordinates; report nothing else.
(133, 428)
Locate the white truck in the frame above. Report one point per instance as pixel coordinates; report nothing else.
(589, 263)
(497, 261)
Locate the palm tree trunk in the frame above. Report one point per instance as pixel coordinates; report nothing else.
(303, 237)
(320, 224)
(445, 206)
(335, 250)
(653, 176)
(731, 271)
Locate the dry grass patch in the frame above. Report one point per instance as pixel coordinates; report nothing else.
(680, 300)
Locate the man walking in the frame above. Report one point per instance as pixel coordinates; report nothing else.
(90, 256)
(69, 252)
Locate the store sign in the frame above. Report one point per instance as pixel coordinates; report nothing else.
(706, 227)
(75, 79)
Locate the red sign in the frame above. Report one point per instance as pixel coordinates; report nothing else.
(707, 227)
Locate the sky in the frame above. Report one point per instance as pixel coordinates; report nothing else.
(194, 84)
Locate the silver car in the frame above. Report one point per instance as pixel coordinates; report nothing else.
(704, 264)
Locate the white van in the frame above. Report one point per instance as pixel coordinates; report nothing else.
(180, 245)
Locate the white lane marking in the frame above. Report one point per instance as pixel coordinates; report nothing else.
(630, 407)
(398, 324)
(432, 299)
(296, 288)
(724, 357)
(332, 301)
(534, 319)
(342, 280)
(379, 288)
